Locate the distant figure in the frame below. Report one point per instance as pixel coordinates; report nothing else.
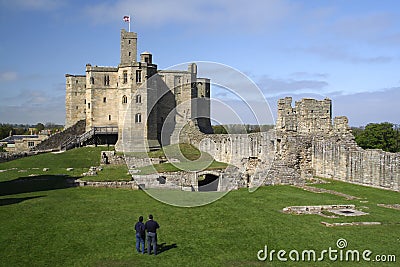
(105, 158)
(151, 227)
(140, 234)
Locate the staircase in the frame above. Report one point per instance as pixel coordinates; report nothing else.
(91, 137)
(54, 142)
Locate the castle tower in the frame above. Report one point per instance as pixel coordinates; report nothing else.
(128, 47)
(75, 102)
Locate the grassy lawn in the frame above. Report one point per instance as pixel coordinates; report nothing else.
(43, 223)
(188, 166)
(190, 159)
(80, 159)
(181, 151)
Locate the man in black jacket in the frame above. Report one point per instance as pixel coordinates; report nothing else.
(151, 227)
(139, 228)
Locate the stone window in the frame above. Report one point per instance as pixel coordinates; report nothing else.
(138, 99)
(129, 41)
(31, 144)
(138, 76)
(76, 107)
(88, 105)
(125, 76)
(129, 54)
(124, 99)
(106, 79)
(104, 99)
(85, 101)
(109, 117)
(177, 83)
(138, 118)
(91, 80)
(76, 81)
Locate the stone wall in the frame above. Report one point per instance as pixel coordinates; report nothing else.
(8, 156)
(344, 160)
(328, 150)
(75, 99)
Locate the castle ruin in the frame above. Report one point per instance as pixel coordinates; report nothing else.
(146, 108)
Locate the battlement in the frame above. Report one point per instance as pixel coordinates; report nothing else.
(100, 68)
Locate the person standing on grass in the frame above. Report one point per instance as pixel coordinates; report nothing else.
(140, 235)
(151, 227)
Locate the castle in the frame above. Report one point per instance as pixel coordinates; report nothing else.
(145, 108)
(151, 104)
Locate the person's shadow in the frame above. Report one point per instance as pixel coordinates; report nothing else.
(164, 247)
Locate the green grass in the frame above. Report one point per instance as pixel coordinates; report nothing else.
(177, 151)
(189, 157)
(80, 159)
(188, 166)
(111, 173)
(43, 223)
(183, 150)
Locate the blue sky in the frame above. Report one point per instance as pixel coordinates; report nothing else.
(345, 50)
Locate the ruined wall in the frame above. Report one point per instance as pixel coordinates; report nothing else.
(309, 116)
(345, 161)
(328, 150)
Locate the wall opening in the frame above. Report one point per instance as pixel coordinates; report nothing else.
(208, 182)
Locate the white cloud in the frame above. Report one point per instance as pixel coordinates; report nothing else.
(271, 86)
(32, 106)
(33, 4)
(8, 76)
(339, 53)
(209, 15)
(366, 107)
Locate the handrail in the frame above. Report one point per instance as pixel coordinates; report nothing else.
(73, 140)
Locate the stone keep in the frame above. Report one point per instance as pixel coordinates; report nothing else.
(147, 105)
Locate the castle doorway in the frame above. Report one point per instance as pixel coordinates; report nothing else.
(208, 182)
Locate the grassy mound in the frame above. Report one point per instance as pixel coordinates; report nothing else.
(80, 159)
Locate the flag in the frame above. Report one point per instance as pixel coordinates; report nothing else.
(127, 18)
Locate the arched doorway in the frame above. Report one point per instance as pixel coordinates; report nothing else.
(208, 182)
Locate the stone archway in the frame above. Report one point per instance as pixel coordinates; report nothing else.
(208, 182)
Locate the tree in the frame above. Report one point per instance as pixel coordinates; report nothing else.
(378, 136)
(219, 129)
(5, 130)
(39, 127)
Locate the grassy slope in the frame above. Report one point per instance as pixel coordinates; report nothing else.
(94, 226)
(189, 158)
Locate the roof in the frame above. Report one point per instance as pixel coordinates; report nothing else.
(13, 138)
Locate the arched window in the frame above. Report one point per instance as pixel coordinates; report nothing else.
(124, 99)
(138, 118)
(91, 80)
(138, 99)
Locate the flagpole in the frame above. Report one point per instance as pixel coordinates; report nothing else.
(129, 25)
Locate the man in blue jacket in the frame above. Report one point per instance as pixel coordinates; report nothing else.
(139, 228)
(151, 226)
